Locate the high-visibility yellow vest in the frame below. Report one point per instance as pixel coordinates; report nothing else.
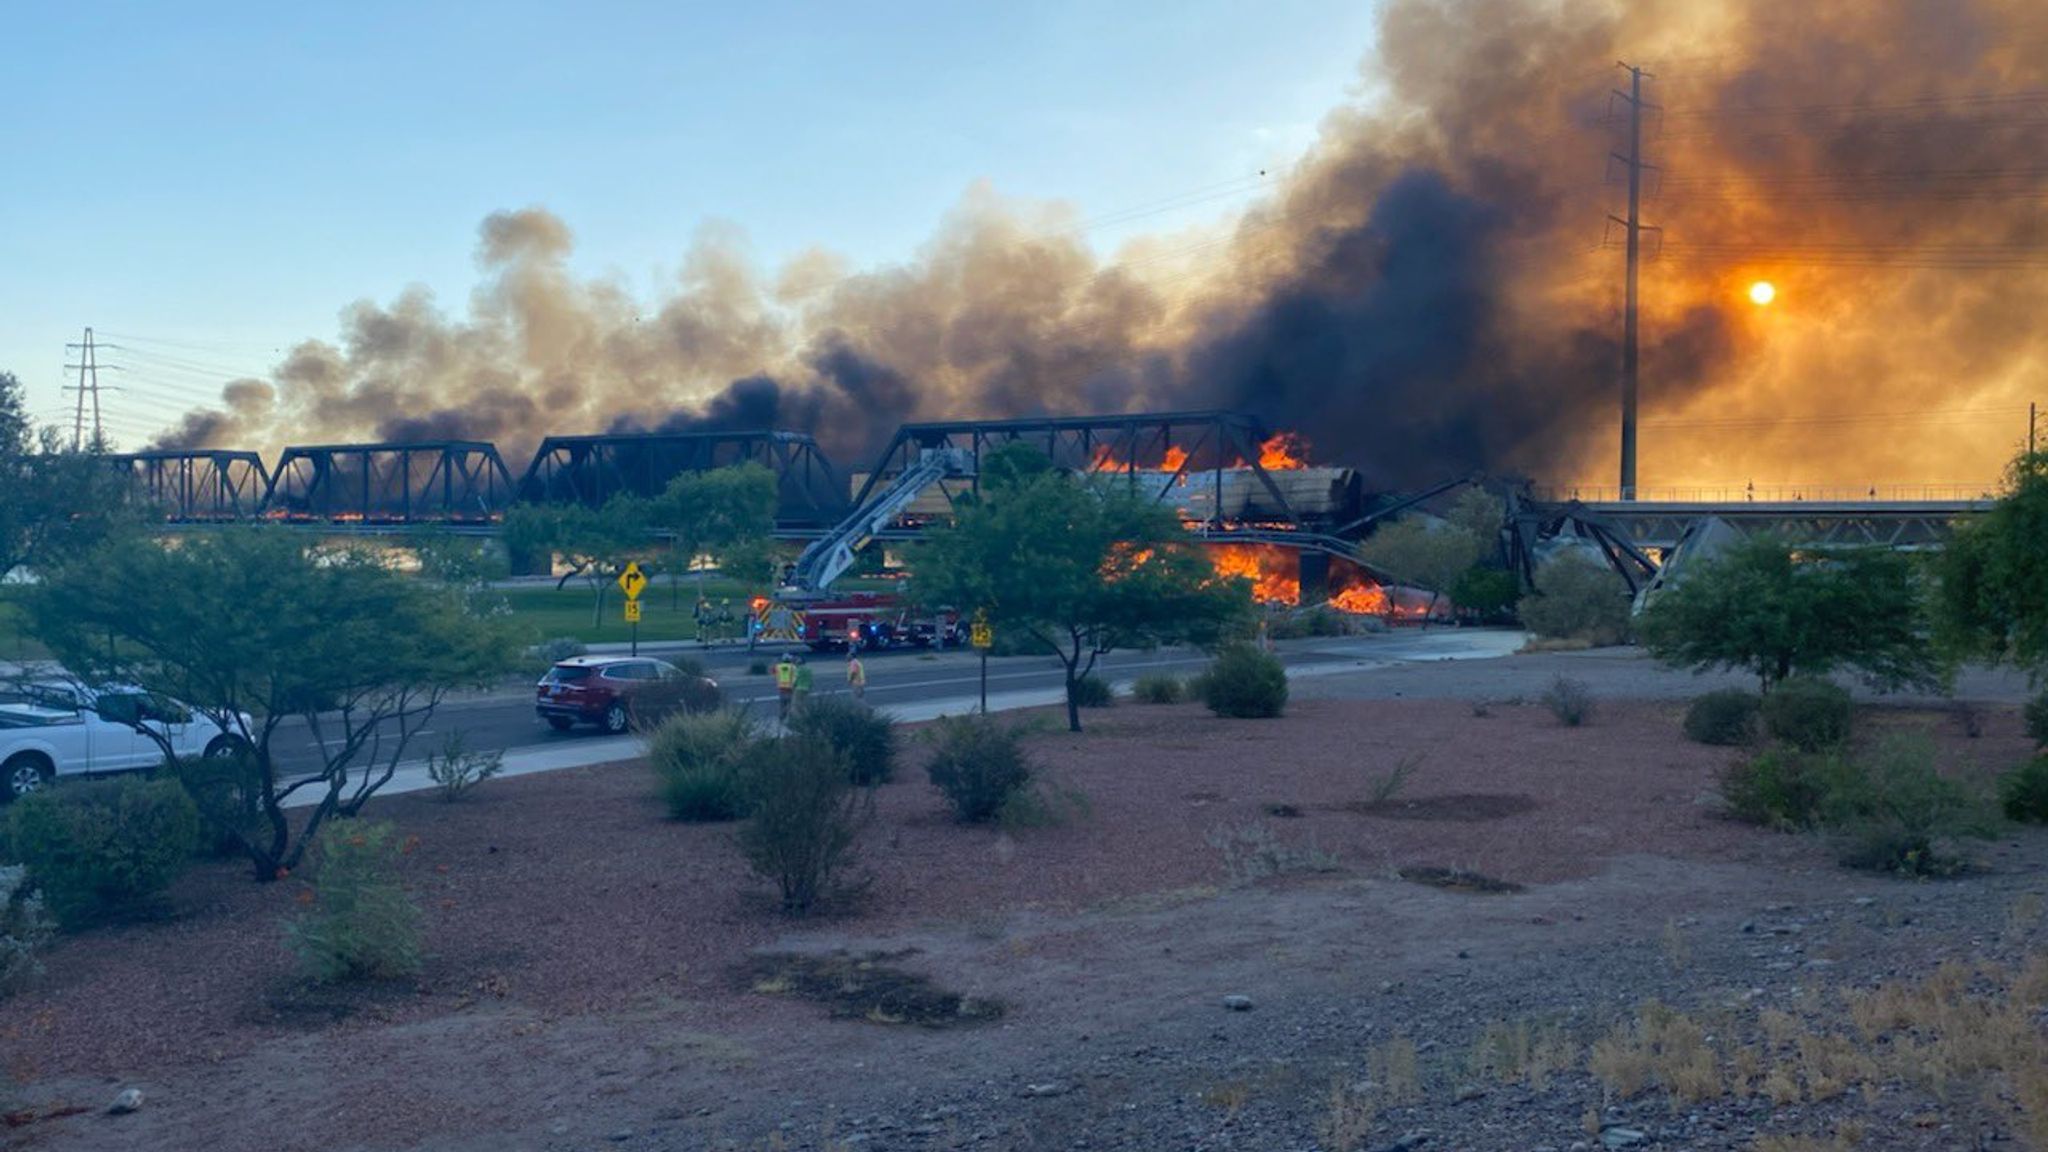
(785, 675)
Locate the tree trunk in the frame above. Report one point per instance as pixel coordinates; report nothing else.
(1073, 707)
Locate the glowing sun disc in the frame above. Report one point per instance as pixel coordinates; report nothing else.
(1763, 292)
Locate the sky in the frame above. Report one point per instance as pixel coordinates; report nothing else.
(207, 184)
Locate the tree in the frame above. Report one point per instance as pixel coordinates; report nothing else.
(53, 501)
(1082, 567)
(252, 626)
(1416, 551)
(1762, 607)
(1992, 598)
(596, 543)
(726, 512)
(1578, 598)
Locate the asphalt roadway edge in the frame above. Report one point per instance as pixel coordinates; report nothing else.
(412, 776)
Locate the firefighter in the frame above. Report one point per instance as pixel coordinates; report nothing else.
(703, 616)
(802, 684)
(856, 676)
(785, 684)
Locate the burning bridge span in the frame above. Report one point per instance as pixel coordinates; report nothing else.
(1249, 491)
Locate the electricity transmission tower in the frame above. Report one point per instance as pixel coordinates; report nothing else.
(88, 389)
(1635, 228)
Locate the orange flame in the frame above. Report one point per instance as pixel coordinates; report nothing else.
(1273, 571)
(1363, 600)
(1176, 459)
(1284, 452)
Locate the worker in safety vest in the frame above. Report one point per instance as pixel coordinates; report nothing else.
(803, 683)
(785, 683)
(856, 675)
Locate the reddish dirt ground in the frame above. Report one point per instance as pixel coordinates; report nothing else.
(566, 914)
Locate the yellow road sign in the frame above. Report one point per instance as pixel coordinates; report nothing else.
(632, 611)
(631, 581)
(980, 634)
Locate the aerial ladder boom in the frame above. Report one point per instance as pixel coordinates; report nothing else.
(829, 557)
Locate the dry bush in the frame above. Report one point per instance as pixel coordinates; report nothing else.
(1347, 1119)
(1521, 1051)
(1660, 1047)
(1396, 1067)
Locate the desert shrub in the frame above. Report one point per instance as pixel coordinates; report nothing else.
(227, 790)
(864, 736)
(1893, 811)
(696, 761)
(1246, 683)
(1577, 598)
(1093, 692)
(1043, 803)
(1780, 787)
(456, 769)
(1318, 621)
(1808, 713)
(2036, 714)
(1159, 688)
(2023, 792)
(1571, 701)
(978, 763)
(23, 930)
(359, 924)
(806, 817)
(560, 648)
(1726, 716)
(105, 847)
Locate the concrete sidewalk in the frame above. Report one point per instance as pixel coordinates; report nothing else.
(412, 777)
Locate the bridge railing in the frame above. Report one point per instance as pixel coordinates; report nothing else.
(1770, 494)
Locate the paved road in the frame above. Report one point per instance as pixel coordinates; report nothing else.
(900, 681)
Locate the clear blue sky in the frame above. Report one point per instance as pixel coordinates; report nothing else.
(227, 177)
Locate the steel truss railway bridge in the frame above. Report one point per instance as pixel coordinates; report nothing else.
(1208, 464)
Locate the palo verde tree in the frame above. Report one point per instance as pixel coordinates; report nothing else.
(254, 626)
(1436, 554)
(728, 513)
(1992, 602)
(1775, 612)
(1083, 565)
(596, 543)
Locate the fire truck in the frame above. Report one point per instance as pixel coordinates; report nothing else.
(871, 621)
(828, 621)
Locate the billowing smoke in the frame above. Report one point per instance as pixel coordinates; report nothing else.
(1434, 288)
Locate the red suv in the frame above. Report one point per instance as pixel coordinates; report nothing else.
(614, 692)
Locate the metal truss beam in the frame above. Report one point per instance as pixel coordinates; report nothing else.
(592, 469)
(197, 486)
(444, 481)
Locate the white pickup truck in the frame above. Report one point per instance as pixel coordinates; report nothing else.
(51, 728)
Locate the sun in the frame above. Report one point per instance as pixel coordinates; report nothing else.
(1763, 292)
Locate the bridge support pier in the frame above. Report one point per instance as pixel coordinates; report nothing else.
(1315, 576)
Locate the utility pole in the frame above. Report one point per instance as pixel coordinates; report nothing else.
(1634, 227)
(88, 385)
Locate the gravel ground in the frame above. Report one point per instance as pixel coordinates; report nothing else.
(582, 989)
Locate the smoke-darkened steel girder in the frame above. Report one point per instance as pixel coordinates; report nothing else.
(441, 481)
(1212, 443)
(592, 469)
(196, 486)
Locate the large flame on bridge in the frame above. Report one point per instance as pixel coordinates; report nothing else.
(1275, 575)
(1280, 452)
